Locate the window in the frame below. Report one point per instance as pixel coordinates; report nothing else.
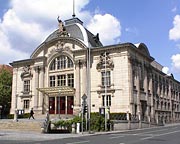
(53, 65)
(69, 63)
(71, 80)
(108, 100)
(61, 80)
(106, 78)
(26, 104)
(27, 86)
(52, 81)
(61, 62)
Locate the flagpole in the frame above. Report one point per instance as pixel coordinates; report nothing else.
(73, 9)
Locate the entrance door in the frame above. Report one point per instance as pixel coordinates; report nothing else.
(61, 105)
(51, 105)
(70, 103)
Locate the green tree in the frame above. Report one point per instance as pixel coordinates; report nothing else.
(5, 91)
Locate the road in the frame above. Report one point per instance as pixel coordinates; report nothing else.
(161, 135)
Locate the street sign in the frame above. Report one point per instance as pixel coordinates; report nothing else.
(84, 97)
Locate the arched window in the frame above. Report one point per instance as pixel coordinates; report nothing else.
(61, 62)
(53, 65)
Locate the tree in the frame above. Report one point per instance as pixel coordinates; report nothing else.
(5, 91)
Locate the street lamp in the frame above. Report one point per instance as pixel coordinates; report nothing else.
(89, 86)
(105, 104)
(16, 111)
(59, 104)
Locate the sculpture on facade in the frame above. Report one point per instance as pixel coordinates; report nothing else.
(26, 72)
(105, 60)
(62, 30)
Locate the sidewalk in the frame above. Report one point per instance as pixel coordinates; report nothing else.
(32, 136)
(17, 134)
(37, 136)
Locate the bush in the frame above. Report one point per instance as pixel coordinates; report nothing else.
(10, 116)
(97, 122)
(67, 124)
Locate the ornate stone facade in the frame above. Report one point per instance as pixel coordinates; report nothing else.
(123, 77)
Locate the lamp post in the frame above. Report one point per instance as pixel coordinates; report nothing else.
(16, 112)
(105, 103)
(59, 104)
(89, 86)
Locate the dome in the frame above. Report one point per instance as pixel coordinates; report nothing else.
(74, 28)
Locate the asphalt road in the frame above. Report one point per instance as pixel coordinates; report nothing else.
(161, 135)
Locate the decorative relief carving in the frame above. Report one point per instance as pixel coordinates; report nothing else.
(80, 63)
(39, 68)
(26, 72)
(109, 91)
(61, 47)
(105, 60)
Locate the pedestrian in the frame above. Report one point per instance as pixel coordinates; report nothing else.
(31, 114)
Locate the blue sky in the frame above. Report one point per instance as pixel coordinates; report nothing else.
(25, 24)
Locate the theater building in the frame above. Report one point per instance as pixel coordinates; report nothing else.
(72, 62)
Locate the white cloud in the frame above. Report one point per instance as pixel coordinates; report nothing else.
(27, 23)
(174, 33)
(176, 63)
(165, 70)
(7, 53)
(107, 26)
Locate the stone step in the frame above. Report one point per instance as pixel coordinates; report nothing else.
(21, 125)
(53, 116)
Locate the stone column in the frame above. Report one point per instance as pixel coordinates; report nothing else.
(36, 85)
(77, 99)
(14, 90)
(131, 87)
(41, 85)
(84, 78)
(171, 104)
(146, 88)
(56, 106)
(66, 103)
(138, 92)
(151, 91)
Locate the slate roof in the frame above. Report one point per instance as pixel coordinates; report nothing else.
(74, 27)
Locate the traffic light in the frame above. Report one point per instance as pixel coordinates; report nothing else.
(85, 108)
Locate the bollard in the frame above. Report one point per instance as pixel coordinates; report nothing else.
(78, 128)
(73, 128)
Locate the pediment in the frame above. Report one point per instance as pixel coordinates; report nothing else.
(44, 47)
(143, 48)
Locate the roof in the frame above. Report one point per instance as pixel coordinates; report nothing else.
(62, 90)
(74, 27)
(6, 67)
